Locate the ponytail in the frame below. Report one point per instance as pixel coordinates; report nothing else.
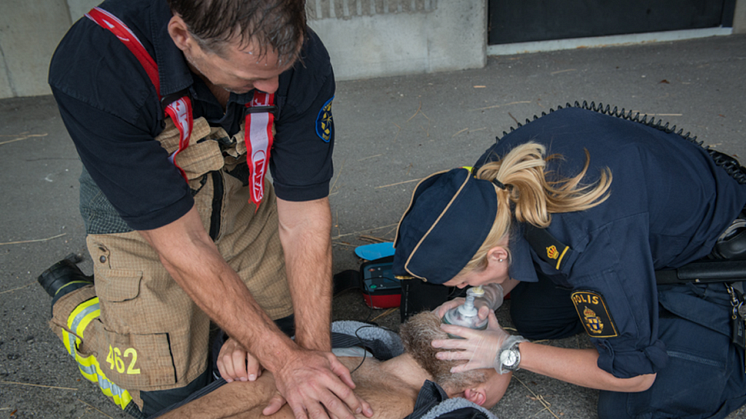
(524, 192)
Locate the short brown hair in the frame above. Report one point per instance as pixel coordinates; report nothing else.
(277, 25)
(417, 334)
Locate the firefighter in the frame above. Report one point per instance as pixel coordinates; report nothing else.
(178, 109)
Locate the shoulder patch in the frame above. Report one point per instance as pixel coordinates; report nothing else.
(594, 314)
(324, 122)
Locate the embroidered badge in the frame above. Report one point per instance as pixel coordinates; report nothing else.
(552, 252)
(594, 315)
(324, 122)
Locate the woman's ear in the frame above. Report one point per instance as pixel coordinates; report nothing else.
(497, 254)
(475, 395)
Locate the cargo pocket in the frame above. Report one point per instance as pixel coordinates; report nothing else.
(145, 314)
(127, 353)
(137, 361)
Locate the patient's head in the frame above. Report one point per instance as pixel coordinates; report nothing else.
(416, 334)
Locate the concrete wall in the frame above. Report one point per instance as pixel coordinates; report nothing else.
(374, 38)
(80, 7)
(365, 38)
(739, 18)
(29, 32)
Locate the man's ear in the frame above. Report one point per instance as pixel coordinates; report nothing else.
(476, 395)
(179, 32)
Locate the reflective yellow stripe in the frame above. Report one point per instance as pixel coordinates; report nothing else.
(89, 367)
(91, 370)
(68, 339)
(86, 318)
(70, 283)
(84, 307)
(83, 313)
(559, 261)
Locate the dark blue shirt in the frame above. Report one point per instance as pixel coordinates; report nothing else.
(113, 114)
(668, 204)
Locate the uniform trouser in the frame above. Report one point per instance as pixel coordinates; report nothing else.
(704, 376)
(137, 334)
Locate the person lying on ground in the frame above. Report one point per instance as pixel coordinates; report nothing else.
(391, 386)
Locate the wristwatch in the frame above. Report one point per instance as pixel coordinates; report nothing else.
(509, 356)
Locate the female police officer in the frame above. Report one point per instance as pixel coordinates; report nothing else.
(573, 213)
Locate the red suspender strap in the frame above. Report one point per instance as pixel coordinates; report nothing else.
(108, 21)
(259, 117)
(179, 110)
(258, 138)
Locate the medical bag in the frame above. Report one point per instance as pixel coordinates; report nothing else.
(380, 288)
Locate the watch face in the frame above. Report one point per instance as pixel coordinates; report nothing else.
(508, 358)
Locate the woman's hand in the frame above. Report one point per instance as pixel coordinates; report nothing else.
(478, 347)
(236, 364)
(441, 310)
(479, 303)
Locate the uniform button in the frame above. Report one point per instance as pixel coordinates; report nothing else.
(102, 259)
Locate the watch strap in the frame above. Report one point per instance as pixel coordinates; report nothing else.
(510, 344)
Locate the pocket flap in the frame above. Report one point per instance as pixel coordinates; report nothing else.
(120, 285)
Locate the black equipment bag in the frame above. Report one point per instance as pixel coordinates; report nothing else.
(418, 296)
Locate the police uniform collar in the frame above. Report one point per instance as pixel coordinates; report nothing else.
(522, 264)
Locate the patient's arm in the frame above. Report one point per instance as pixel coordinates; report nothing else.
(389, 397)
(239, 399)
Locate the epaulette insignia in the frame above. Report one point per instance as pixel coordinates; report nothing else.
(549, 249)
(594, 314)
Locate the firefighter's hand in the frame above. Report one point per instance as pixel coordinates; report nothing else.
(316, 385)
(236, 364)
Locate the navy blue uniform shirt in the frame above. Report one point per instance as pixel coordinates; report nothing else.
(113, 114)
(669, 203)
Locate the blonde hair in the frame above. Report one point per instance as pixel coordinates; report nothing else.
(530, 198)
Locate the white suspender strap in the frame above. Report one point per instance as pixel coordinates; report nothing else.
(258, 138)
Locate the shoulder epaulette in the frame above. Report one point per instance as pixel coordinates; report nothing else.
(549, 249)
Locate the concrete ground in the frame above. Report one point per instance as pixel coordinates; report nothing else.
(390, 133)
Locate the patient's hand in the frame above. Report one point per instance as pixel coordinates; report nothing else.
(237, 364)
